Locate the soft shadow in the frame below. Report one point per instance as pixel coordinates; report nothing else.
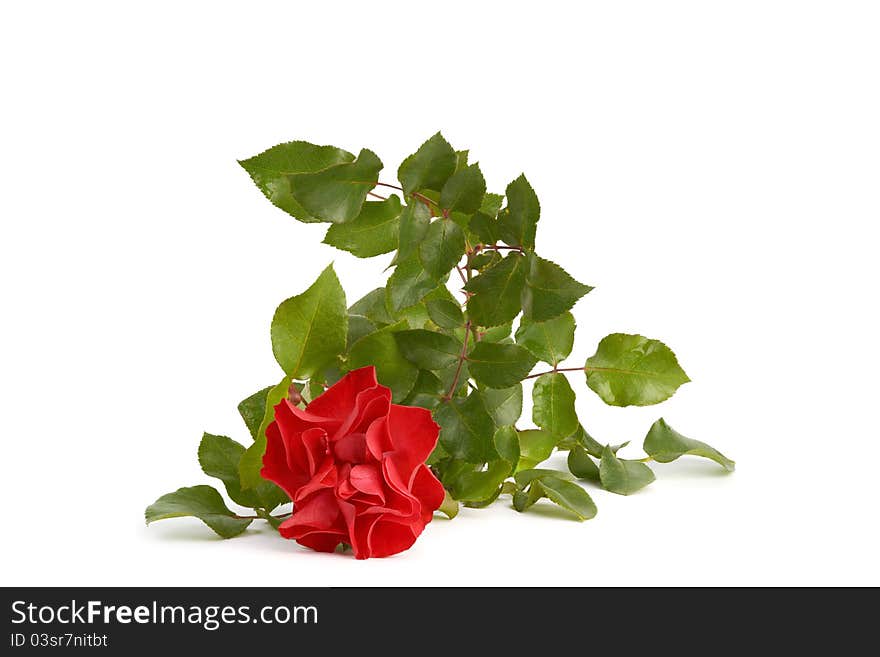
(181, 532)
(689, 468)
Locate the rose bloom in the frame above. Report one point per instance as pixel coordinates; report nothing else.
(354, 465)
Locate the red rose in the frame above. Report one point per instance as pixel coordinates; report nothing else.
(354, 465)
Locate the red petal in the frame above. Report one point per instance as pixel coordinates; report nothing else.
(307, 419)
(275, 464)
(378, 439)
(428, 491)
(351, 448)
(360, 536)
(325, 477)
(389, 537)
(369, 405)
(337, 400)
(314, 441)
(367, 480)
(317, 523)
(413, 435)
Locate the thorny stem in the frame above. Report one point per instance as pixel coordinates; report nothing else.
(461, 359)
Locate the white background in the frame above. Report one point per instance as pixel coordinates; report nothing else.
(711, 167)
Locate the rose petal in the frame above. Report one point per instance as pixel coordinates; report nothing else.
(276, 466)
(413, 435)
(349, 514)
(318, 524)
(351, 448)
(389, 537)
(345, 489)
(321, 541)
(378, 439)
(291, 428)
(360, 535)
(428, 490)
(369, 405)
(316, 448)
(367, 480)
(307, 419)
(338, 400)
(325, 476)
(320, 511)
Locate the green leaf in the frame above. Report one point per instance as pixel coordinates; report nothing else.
(372, 306)
(632, 370)
(464, 191)
(491, 204)
(485, 228)
(549, 341)
(416, 315)
(358, 327)
(251, 462)
(253, 409)
(392, 368)
(525, 477)
(449, 507)
(484, 260)
(336, 194)
(429, 167)
(504, 404)
(665, 444)
(549, 290)
(568, 495)
(428, 350)
(308, 330)
(621, 476)
(466, 429)
(499, 333)
(517, 224)
(373, 232)
(442, 248)
(535, 446)
(426, 392)
(408, 284)
(499, 365)
(219, 457)
(506, 444)
(582, 465)
(471, 485)
(414, 221)
(523, 499)
(445, 314)
(202, 502)
(447, 376)
(594, 447)
(271, 171)
(553, 405)
(497, 292)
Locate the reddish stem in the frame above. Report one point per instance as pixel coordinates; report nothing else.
(421, 197)
(554, 370)
(461, 359)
